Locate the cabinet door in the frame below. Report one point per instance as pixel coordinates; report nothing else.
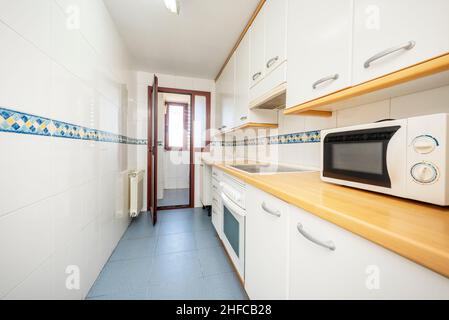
(218, 103)
(397, 34)
(228, 95)
(356, 269)
(242, 82)
(257, 35)
(266, 260)
(319, 48)
(275, 33)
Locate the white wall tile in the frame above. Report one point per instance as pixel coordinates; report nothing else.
(421, 103)
(26, 168)
(363, 114)
(26, 241)
(25, 75)
(37, 286)
(63, 201)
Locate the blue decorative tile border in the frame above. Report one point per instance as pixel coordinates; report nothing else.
(24, 123)
(290, 138)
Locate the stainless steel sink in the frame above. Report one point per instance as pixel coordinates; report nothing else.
(266, 168)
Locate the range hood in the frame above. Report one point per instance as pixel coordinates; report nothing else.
(275, 99)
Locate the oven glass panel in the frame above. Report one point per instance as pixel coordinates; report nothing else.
(231, 229)
(360, 157)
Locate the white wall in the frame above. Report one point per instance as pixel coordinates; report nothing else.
(144, 80)
(62, 201)
(308, 154)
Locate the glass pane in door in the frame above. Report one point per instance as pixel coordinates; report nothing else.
(231, 229)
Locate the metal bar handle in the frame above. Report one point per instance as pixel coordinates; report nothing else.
(275, 213)
(407, 46)
(256, 75)
(329, 78)
(326, 244)
(272, 61)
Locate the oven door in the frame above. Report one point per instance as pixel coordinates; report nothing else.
(359, 156)
(234, 232)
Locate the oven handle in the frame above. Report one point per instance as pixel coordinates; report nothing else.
(234, 208)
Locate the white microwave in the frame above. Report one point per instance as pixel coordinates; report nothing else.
(407, 158)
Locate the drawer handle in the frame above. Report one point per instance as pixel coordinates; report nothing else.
(256, 76)
(243, 118)
(272, 212)
(272, 61)
(326, 244)
(408, 46)
(329, 78)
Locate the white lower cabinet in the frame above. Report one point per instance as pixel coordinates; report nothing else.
(356, 269)
(266, 260)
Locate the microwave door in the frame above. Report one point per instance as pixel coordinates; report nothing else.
(359, 156)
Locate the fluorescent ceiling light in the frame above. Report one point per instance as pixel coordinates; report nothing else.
(173, 6)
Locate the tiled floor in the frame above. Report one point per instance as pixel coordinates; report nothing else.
(180, 258)
(174, 197)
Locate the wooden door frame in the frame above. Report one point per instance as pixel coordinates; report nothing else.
(192, 94)
(152, 153)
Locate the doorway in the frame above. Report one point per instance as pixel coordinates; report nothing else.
(182, 129)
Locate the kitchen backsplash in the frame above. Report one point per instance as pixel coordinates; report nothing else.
(296, 141)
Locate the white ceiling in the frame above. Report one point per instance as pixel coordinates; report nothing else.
(196, 43)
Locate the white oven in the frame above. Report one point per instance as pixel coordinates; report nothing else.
(407, 158)
(234, 217)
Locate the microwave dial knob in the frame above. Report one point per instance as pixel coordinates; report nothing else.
(424, 173)
(424, 144)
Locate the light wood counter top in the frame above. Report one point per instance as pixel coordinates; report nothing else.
(417, 231)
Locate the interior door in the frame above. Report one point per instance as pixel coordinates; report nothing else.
(152, 150)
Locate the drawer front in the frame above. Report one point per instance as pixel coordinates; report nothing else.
(215, 185)
(217, 214)
(217, 174)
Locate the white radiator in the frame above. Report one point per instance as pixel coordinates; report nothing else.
(135, 193)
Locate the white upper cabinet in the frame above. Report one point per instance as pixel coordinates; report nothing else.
(242, 83)
(227, 95)
(268, 52)
(319, 48)
(391, 35)
(266, 254)
(257, 34)
(275, 33)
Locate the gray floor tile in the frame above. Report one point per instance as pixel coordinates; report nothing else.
(174, 197)
(175, 267)
(175, 243)
(134, 249)
(214, 261)
(206, 239)
(138, 294)
(223, 287)
(192, 289)
(122, 277)
(180, 258)
(178, 226)
(141, 227)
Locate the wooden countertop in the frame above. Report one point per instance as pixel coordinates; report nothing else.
(417, 231)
